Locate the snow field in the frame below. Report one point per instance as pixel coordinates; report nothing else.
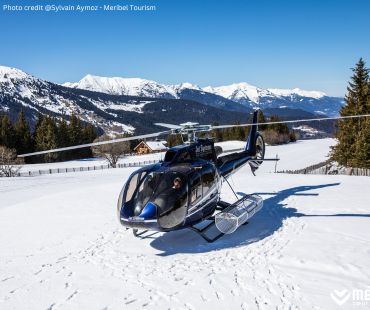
(62, 247)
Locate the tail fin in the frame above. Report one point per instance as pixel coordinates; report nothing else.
(250, 147)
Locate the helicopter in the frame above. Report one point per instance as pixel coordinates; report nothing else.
(184, 190)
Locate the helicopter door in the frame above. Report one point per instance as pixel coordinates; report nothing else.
(196, 191)
(208, 179)
(209, 183)
(170, 197)
(196, 188)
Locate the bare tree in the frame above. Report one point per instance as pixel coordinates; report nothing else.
(9, 163)
(111, 152)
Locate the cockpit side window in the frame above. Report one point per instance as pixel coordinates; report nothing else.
(170, 197)
(170, 155)
(131, 187)
(208, 179)
(196, 187)
(184, 156)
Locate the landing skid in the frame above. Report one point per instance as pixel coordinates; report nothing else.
(203, 231)
(227, 218)
(137, 233)
(221, 205)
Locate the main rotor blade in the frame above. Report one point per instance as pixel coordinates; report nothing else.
(74, 147)
(170, 126)
(291, 121)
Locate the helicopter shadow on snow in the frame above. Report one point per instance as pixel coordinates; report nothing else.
(263, 224)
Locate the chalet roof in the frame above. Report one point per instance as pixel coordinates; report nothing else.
(154, 145)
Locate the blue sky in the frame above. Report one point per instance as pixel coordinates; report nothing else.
(282, 44)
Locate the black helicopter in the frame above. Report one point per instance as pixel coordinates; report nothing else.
(184, 189)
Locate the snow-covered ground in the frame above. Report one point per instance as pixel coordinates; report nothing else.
(61, 246)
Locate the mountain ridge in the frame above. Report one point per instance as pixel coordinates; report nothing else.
(244, 94)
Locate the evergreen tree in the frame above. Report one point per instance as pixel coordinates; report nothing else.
(217, 133)
(261, 119)
(46, 138)
(75, 135)
(353, 134)
(7, 133)
(173, 140)
(362, 148)
(89, 135)
(23, 135)
(63, 139)
(281, 129)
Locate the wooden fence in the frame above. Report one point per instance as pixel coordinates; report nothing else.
(327, 167)
(80, 169)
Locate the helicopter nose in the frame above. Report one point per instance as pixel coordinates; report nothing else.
(149, 212)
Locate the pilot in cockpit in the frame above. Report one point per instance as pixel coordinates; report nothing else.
(177, 183)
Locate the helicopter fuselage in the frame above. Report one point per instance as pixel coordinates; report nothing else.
(151, 200)
(185, 188)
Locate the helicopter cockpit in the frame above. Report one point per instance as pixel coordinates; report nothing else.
(160, 195)
(164, 197)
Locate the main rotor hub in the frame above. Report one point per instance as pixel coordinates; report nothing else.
(191, 129)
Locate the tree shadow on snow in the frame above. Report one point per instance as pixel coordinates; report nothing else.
(263, 224)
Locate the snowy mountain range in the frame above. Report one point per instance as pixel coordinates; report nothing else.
(110, 113)
(231, 97)
(118, 105)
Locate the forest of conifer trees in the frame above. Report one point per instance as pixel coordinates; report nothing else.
(49, 133)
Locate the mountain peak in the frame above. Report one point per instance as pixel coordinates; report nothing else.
(187, 85)
(124, 86)
(9, 72)
(297, 91)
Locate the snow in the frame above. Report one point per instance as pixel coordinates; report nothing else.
(237, 91)
(122, 106)
(296, 91)
(156, 145)
(7, 73)
(143, 87)
(123, 86)
(62, 246)
(185, 85)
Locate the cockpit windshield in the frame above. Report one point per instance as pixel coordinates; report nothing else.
(167, 190)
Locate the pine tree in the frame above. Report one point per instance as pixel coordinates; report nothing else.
(75, 135)
(353, 134)
(216, 133)
(46, 138)
(7, 133)
(362, 148)
(63, 140)
(173, 140)
(89, 135)
(281, 129)
(261, 119)
(23, 135)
